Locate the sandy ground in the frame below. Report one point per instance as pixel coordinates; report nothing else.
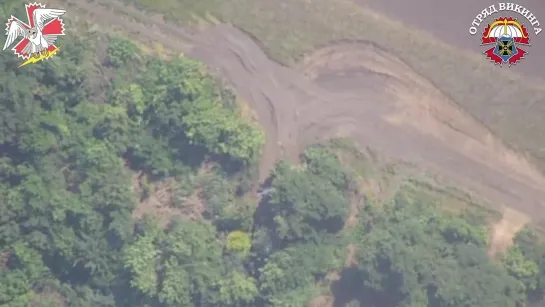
(450, 21)
(503, 231)
(354, 90)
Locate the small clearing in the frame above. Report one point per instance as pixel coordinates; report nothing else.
(504, 231)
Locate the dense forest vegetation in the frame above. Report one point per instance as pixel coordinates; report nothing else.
(86, 139)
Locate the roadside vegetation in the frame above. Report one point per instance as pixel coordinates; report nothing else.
(86, 140)
(288, 31)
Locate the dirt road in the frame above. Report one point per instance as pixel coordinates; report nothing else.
(352, 90)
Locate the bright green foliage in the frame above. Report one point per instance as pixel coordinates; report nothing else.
(72, 139)
(522, 269)
(406, 260)
(29, 261)
(238, 242)
(220, 130)
(236, 290)
(288, 276)
(529, 246)
(303, 205)
(322, 162)
(66, 194)
(26, 270)
(184, 106)
(141, 259)
(528, 242)
(187, 267)
(218, 194)
(294, 298)
(121, 52)
(175, 286)
(456, 230)
(221, 204)
(281, 275)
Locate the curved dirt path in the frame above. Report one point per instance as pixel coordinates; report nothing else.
(359, 91)
(352, 90)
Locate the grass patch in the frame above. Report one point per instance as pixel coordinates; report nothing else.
(380, 181)
(451, 199)
(364, 163)
(507, 105)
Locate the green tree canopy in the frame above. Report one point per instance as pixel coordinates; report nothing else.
(406, 258)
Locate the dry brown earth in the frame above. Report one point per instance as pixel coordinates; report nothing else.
(355, 90)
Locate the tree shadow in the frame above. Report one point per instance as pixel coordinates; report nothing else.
(351, 288)
(348, 288)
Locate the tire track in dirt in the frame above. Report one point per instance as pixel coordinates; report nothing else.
(352, 90)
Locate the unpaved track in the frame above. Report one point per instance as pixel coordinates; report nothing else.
(352, 90)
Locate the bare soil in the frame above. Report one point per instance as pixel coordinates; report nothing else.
(322, 301)
(355, 90)
(504, 230)
(362, 92)
(508, 103)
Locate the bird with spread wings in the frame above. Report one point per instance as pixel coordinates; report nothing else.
(38, 41)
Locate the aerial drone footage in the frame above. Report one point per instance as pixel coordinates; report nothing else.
(272, 153)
